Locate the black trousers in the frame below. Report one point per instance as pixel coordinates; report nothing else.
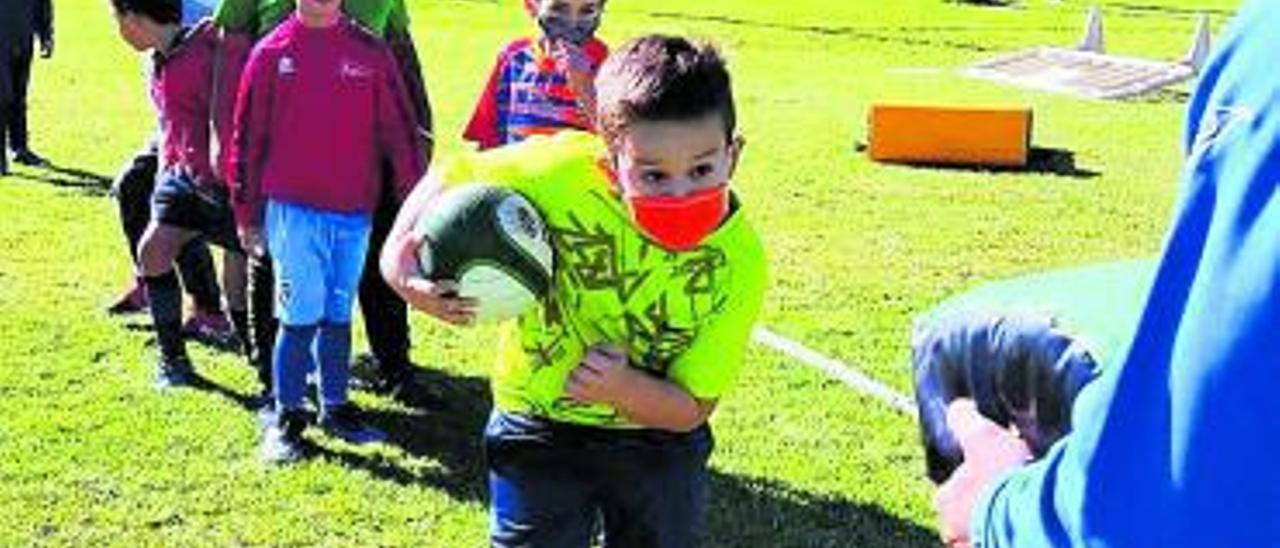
(386, 316)
(17, 64)
(262, 317)
(132, 189)
(406, 56)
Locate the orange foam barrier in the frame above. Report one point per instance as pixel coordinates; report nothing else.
(950, 135)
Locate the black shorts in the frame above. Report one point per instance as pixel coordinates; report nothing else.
(178, 200)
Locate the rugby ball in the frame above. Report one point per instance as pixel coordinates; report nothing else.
(493, 243)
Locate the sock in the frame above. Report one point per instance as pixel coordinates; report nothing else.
(292, 361)
(166, 311)
(334, 349)
(199, 276)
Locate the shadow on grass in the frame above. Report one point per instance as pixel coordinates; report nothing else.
(1163, 97)
(86, 182)
(1040, 161)
(747, 511)
(217, 344)
(983, 3)
(444, 426)
(744, 511)
(248, 402)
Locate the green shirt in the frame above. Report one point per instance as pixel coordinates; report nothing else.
(685, 317)
(258, 17)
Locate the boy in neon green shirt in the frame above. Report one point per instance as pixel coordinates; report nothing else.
(603, 393)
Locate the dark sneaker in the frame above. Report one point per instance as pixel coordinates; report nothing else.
(282, 441)
(343, 422)
(365, 371)
(267, 414)
(133, 301)
(211, 328)
(397, 381)
(28, 158)
(173, 372)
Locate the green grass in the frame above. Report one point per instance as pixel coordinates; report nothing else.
(90, 455)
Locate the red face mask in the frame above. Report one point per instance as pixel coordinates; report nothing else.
(680, 223)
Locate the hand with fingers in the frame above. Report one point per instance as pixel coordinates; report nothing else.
(573, 62)
(989, 451)
(439, 298)
(602, 377)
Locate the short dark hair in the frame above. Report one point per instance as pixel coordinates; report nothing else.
(160, 11)
(663, 78)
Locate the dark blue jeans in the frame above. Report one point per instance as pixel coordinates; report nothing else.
(550, 481)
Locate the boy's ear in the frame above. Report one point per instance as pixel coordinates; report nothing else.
(735, 153)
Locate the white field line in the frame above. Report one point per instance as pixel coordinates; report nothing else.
(841, 371)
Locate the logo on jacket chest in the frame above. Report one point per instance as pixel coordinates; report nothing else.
(347, 70)
(286, 66)
(353, 71)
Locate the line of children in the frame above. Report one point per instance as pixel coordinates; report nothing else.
(276, 167)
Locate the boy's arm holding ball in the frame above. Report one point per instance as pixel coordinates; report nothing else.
(399, 262)
(605, 377)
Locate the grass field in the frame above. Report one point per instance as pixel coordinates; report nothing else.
(91, 455)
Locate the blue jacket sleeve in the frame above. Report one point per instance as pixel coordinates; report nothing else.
(1177, 446)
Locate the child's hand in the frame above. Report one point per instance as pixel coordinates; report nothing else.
(439, 298)
(602, 377)
(572, 61)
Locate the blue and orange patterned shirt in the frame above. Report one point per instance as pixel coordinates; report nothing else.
(527, 95)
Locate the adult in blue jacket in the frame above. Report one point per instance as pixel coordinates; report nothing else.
(1177, 446)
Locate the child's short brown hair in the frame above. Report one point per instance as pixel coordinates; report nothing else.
(662, 78)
